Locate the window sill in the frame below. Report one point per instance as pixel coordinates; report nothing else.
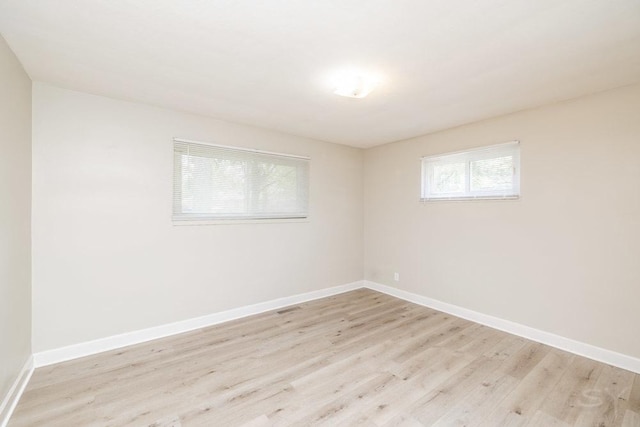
(469, 199)
(186, 222)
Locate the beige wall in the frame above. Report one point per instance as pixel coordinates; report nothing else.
(15, 218)
(563, 258)
(107, 259)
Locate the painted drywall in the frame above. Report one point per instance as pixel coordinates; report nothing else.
(107, 258)
(562, 259)
(15, 218)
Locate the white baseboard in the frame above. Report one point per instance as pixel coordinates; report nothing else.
(88, 348)
(580, 348)
(13, 396)
(75, 351)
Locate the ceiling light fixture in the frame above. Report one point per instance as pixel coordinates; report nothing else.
(354, 85)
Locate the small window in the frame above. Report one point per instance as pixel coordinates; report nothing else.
(484, 173)
(212, 182)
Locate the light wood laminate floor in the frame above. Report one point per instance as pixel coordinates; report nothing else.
(359, 358)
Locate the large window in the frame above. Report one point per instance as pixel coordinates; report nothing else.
(212, 182)
(484, 173)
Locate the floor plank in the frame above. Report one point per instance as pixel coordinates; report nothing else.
(357, 359)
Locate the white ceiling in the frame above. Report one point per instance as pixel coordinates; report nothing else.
(268, 63)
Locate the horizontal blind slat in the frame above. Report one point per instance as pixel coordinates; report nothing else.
(214, 182)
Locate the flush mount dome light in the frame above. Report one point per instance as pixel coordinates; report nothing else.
(354, 85)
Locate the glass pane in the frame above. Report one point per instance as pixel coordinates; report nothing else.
(448, 178)
(212, 182)
(275, 188)
(213, 185)
(492, 174)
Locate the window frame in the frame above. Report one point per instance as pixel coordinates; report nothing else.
(181, 218)
(511, 148)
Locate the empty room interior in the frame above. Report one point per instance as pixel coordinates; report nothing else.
(337, 213)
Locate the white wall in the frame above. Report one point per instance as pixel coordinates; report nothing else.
(15, 218)
(106, 257)
(563, 259)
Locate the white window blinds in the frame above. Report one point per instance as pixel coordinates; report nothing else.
(212, 182)
(484, 173)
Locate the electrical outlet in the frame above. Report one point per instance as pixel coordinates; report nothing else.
(396, 277)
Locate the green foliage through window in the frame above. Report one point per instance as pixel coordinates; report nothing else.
(212, 182)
